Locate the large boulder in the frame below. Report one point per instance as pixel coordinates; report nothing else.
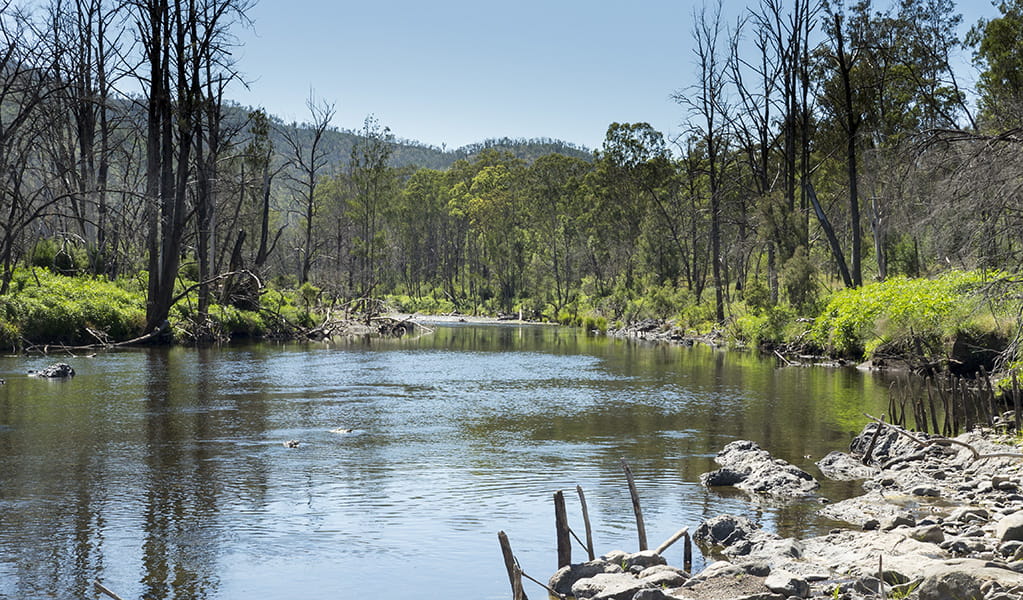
(1010, 528)
(839, 466)
(565, 577)
(749, 467)
(609, 586)
(724, 531)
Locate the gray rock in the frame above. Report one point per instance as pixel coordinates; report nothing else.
(926, 490)
(724, 531)
(1010, 528)
(59, 371)
(954, 585)
(969, 514)
(842, 467)
(783, 582)
(565, 577)
(932, 534)
(721, 568)
(644, 559)
(757, 568)
(761, 473)
(608, 586)
(898, 520)
(670, 577)
(652, 594)
(871, 525)
(722, 477)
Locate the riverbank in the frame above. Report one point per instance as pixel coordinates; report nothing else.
(940, 519)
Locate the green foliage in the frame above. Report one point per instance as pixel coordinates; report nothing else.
(63, 309)
(912, 314)
(799, 281)
(764, 327)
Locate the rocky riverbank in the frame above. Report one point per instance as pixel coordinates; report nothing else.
(940, 519)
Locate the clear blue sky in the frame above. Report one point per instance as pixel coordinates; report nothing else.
(455, 72)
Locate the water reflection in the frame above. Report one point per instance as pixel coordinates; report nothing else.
(163, 473)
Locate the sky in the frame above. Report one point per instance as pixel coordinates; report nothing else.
(453, 72)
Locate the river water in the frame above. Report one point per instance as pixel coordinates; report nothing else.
(163, 473)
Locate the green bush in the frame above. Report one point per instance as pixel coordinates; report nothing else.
(901, 313)
(64, 309)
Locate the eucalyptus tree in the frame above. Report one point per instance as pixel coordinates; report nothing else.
(707, 105)
(373, 188)
(554, 205)
(29, 97)
(308, 157)
(999, 55)
(185, 44)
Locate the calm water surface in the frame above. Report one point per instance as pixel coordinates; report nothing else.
(163, 474)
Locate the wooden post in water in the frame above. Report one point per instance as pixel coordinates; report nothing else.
(687, 554)
(564, 534)
(640, 528)
(514, 574)
(586, 522)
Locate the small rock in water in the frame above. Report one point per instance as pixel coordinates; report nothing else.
(291, 444)
(59, 370)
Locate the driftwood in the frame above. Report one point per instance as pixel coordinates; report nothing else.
(939, 441)
(142, 339)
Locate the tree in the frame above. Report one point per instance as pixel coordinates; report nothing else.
(999, 55)
(707, 107)
(308, 157)
(373, 188)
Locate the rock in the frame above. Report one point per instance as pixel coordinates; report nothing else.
(59, 370)
(565, 577)
(722, 477)
(652, 594)
(292, 444)
(926, 490)
(953, 585)
(842, 467)
(897, 521)
(664, 576)
(871, 525)
(721, 568)
(969, 514)
(1010, 528)
(644, 559)
(762, 473)
(757, 568)
(932, 534)
(724, 530)
(609, 586)
(783, 582)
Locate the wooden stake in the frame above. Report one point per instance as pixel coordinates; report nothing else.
(586, 522)
(640, 528)
(687, 554)
(562, 529)
(514, 573)
(104, 590)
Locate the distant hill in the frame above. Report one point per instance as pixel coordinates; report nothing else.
(410, 153)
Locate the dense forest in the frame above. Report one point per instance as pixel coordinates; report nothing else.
(827, 146)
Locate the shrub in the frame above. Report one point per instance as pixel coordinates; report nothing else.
(901, 313)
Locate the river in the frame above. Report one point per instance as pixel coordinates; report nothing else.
(163, 473)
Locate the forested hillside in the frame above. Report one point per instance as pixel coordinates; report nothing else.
(826, 146)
